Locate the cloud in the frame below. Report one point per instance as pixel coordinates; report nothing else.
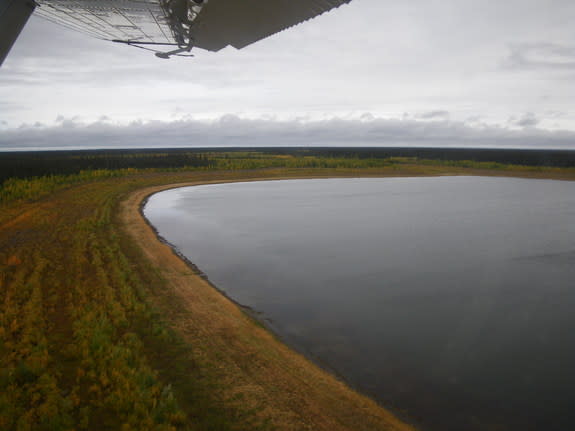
(526, 120)
(543, 55)
(232, 130)
(433, 115)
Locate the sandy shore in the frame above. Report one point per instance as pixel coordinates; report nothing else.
(281, 384)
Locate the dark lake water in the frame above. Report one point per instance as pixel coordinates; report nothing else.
(449, 299)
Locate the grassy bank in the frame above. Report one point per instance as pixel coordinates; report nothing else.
(102, 327)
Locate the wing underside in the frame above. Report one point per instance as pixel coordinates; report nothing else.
(220, 23)
(241, 23)
(130, 20)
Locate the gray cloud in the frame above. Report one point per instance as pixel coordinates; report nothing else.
(526, 120)
(231, 130)
(433, 115)
(543, 55)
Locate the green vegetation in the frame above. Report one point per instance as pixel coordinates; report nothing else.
(84, 343)
(14, 189)
(73, 321)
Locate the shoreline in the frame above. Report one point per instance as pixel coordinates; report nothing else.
(248, 310)
(251, 312)
(352, 408)
(292, 392)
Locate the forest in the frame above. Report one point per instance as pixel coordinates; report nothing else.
(42, 163)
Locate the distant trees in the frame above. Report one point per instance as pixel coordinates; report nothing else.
(46, 163)
(38, 164)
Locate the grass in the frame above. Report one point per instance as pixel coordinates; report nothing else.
(74, 319)
(92, 336)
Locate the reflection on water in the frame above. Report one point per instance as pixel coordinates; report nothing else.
(450, 299)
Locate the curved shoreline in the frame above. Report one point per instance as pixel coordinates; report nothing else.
(334, 405)
(285, 387)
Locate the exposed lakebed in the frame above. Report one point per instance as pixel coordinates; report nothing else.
(450, 299)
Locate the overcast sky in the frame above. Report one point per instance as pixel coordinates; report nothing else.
(374, 72)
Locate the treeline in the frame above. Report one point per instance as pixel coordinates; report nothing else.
(33, 174)
(524, 157)
(47, 163)
(32, 187)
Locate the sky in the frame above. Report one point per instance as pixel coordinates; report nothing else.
(370, 73)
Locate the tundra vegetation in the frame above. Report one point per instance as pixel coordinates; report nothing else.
(86, 341)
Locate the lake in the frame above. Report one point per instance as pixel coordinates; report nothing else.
(450, 300)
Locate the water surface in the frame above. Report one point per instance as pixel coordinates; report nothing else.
(450, 299)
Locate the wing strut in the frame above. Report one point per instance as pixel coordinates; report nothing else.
(181, 15)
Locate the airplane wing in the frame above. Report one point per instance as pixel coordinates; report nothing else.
(240, 23)
(130, 20)
(206, 24)
(13, 16)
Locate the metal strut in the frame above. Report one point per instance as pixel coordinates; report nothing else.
(181, 16)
